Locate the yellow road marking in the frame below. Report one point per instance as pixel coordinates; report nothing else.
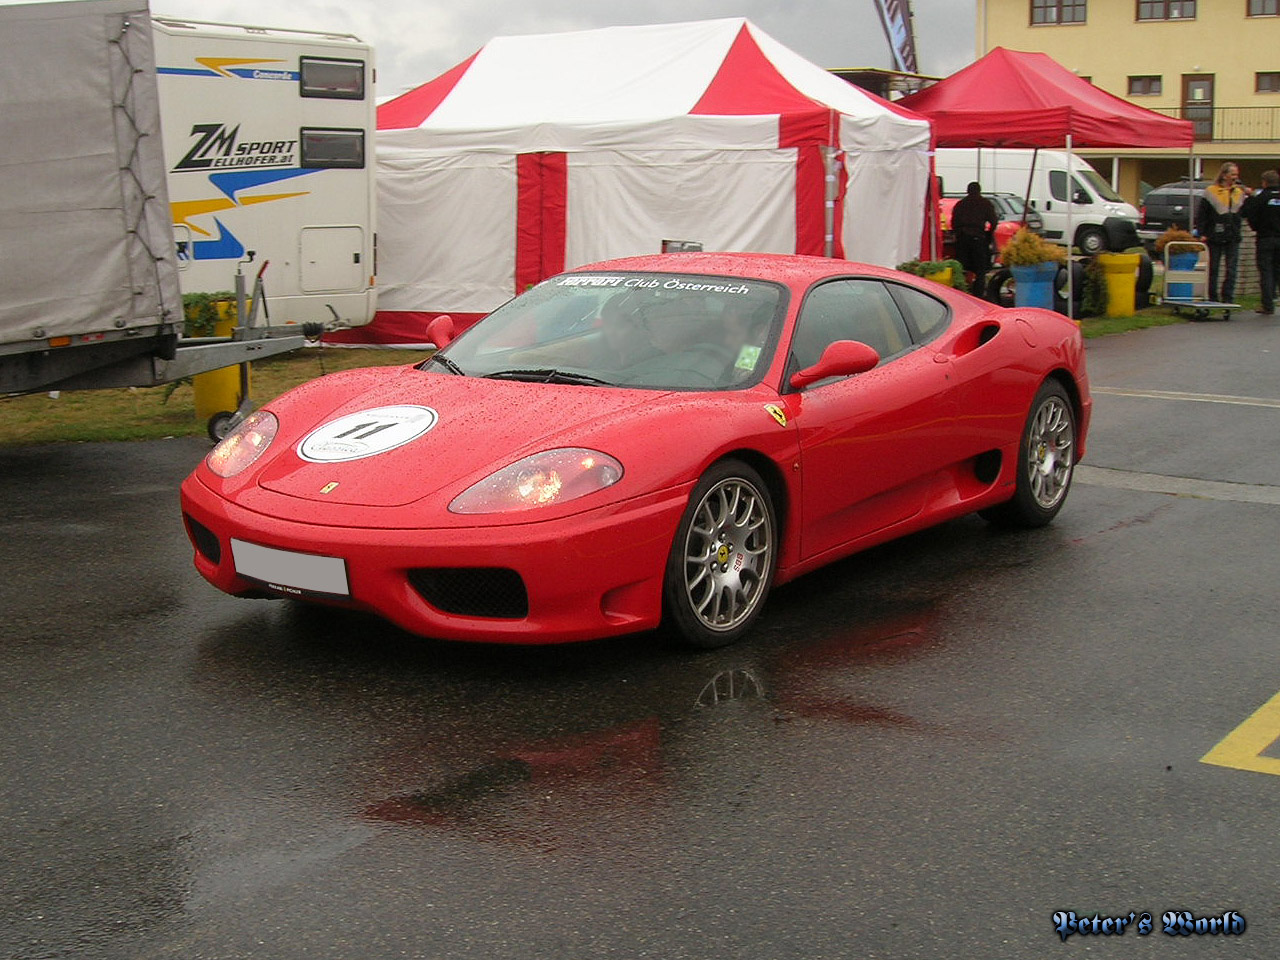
(1242, 747)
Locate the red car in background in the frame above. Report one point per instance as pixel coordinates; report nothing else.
(654, 439)
(1009, 208)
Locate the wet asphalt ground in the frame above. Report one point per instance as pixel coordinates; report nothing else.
(924, 751)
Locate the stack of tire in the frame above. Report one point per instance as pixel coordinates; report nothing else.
(999, 286)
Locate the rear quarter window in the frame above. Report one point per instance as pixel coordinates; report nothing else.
(926, 316)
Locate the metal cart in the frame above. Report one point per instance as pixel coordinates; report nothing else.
(1189, 280)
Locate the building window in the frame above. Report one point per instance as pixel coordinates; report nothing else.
(1145, 86)
(1263, 8)
(1166, 9)
(1267, 82)
(1058, 11)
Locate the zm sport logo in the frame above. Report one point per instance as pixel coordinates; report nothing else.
(219, 146)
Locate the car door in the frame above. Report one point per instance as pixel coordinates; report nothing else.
(869, 443)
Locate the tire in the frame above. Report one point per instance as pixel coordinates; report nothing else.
(1091, 240)
(723, 557)
(1077, 289)
(219, 425)
(1046, 462)
(1000, 287)
(1142, 291)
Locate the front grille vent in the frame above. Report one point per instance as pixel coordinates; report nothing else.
(493, 592)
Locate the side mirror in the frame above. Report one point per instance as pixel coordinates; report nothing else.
(843, 358)
(1081, 197)
(440, 331)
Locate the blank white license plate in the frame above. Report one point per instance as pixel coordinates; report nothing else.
(291, 571)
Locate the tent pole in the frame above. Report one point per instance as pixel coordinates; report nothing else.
(1031, 173)
(829, 210)
(1191, 188)
(1071, 202)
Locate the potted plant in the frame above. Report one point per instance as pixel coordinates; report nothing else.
(947, 272)
(1179, 258)
(1034, 263)
(1173, 234)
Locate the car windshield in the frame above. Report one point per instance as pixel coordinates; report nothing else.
(1100, 186)
(648, 330)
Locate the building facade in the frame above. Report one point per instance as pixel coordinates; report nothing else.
(1214, 62)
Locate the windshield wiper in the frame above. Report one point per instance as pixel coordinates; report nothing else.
(447, 364)
(549, 375)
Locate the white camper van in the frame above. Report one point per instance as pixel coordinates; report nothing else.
(268, 137)
(1100, 219)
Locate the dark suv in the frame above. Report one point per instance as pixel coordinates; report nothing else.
(1169, 205)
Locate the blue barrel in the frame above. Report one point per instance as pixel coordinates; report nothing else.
(1034, 285)
(1181, 261)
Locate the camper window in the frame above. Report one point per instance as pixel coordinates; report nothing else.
(331, 78)
(331, 148)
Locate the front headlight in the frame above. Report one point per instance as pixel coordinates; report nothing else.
(542, 480)
(242, 446)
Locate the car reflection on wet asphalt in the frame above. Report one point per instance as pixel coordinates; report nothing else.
(923, 751)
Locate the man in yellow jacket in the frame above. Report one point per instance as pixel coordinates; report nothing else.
(1218, 225)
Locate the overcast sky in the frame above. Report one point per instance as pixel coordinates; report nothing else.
(416, 40)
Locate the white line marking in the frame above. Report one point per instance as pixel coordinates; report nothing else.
(1197, 397)
(1177, 486)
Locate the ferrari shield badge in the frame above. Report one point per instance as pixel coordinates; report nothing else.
(777, 413)
(329, 487)
(367, 433)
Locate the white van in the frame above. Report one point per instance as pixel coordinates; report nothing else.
(1100, 219)
(268, 138)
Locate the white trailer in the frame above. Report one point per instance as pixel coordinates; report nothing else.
(268, 135)
(89, 293)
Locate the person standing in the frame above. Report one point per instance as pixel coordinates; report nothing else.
(1218, 225)
(1262, 210)
(974, 219)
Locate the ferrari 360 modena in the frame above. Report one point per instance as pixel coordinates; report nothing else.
(656, 441)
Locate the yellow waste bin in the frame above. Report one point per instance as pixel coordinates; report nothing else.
(1120, 270)
(942, 276)
(218, 391)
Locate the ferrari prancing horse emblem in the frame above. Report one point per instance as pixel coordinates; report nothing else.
(777, 413)
(329, 487)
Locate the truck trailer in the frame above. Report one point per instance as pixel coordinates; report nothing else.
(268, 136)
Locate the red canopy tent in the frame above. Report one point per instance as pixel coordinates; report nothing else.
(1011, 98)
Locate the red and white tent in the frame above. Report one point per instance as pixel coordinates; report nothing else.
(541, 153)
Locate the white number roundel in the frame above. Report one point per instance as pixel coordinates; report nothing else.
(364, 434)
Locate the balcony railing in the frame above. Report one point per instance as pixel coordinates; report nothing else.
(1236, 124)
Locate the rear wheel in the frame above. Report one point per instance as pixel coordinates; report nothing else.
(1000, 287)
(1046, 461)
(722, 561)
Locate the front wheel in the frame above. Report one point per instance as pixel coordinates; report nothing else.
(1091, 241)
(722, 561)
(1046, 461)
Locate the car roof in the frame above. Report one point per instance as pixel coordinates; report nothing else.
(779, 267)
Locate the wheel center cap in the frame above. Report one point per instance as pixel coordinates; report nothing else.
(722, 554)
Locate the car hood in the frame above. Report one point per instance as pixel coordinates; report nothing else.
(459, 430)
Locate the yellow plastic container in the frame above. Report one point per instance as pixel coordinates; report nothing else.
(1120, 270)
(218, 391)
(942, 276)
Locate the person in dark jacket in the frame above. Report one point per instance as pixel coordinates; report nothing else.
(1218, 225)
(974, 220)
(1262, 210)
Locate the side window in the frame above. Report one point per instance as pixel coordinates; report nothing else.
(849, 310)
(926, 316)
(331, 78)
(1058, 184)
(321, 148)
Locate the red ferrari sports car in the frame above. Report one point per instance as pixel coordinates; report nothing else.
(657, 439)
